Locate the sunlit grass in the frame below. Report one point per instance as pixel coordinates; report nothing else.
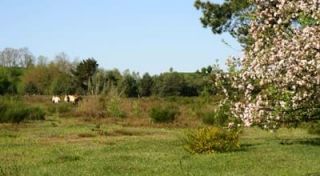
(74, 147)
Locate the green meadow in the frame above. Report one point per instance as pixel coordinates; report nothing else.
(75, 146)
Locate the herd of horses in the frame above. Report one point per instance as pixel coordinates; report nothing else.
(74, 99)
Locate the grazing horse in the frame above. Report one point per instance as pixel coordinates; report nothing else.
(66, 98)
(55, 99)
(72, 99)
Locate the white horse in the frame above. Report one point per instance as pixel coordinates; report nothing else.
(55, 99)
(72, 99)
(66, 98)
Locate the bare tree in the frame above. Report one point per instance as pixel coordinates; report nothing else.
(11, 57)
(62, 61)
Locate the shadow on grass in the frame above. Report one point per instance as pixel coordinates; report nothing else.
(310, 141)
(247, 147)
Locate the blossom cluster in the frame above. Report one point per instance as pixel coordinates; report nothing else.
(281, 69)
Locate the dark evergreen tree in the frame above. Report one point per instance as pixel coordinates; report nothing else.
(230, 16)
(83, 73)
(145, 85)
(129, 86)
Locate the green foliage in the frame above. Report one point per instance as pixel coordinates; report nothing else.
(98, 83)
(113, 78)
(61, 108)
(169, 84)
(129, 86)
(62, 85)
(145, 85)
(84, 72)
(208, 118)
(36, 113)
(230, 16)
(113, 105)
(314, 127)
(5, 85)
(14, 111)
(30, 88)
(37, 80)
(61, 77)
(211, 140)
(123, 146)
(305, 20)
(218, 117)
(161, 114)
(9, 80)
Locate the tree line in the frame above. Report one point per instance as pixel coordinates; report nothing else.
(23, 73)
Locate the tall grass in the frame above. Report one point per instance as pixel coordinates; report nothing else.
(13, 110)
(92, 107)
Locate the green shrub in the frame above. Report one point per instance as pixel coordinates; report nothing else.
(51, 109)
(207, 117)
(14, 111)
(219, 117)
(163, 114)
(114, 107)
(14, 114)
(36, 113)
(64, 108)
(212, 139)
(61, 108)
(215, 118)
(314, 128)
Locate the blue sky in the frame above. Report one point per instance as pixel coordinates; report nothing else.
(140, 35)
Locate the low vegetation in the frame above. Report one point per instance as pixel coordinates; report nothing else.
(129, 124)
(212, 139)
(314, 128)
(161, 114)
(91, 107)
(71, 146)
(15, 111)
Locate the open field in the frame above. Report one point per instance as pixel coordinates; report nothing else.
(145, 91)
(72, 146)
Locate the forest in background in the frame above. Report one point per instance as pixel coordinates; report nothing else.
(24, 74)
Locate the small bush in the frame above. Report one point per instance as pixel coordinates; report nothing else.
(163, 114)
(36, 113)
(218, 117)
(212, 139)
(51, 109)
(14, 111)
(114, 107)
(314, 128)
(207, 117)
(14, 114)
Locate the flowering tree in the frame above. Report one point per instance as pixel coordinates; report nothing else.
(280, 71)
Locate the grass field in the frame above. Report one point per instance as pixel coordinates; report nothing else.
(71, 146)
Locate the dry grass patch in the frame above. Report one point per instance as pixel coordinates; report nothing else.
(86, 135)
